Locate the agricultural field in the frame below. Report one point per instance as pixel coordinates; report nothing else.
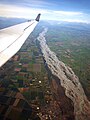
(71, 43)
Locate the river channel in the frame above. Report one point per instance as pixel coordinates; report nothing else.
(68, 80)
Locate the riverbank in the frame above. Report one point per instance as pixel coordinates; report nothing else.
(68, 80)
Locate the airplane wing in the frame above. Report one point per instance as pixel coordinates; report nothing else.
(12, 38)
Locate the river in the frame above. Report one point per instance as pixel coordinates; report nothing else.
(69, 81)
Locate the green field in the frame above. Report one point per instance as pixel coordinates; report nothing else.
(71, 43)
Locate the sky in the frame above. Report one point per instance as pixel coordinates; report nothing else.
(60, 10)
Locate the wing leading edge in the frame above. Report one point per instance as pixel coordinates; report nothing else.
(12, 38)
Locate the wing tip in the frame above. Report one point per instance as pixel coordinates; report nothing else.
(38, 17)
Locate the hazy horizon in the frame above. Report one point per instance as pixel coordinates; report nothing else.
(63, 10)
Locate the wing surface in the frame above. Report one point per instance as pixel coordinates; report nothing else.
(12, 38)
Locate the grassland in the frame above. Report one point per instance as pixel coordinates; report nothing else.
(71, 43)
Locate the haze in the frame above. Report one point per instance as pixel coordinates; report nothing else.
(63, 10)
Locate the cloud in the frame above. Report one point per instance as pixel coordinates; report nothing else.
(29, 13)
(68, 13)
(19, 12)
(29, 3)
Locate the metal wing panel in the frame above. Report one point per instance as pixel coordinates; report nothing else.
(10, 34)
(12, 38)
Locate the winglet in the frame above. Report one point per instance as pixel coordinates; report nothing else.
(38, 17)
